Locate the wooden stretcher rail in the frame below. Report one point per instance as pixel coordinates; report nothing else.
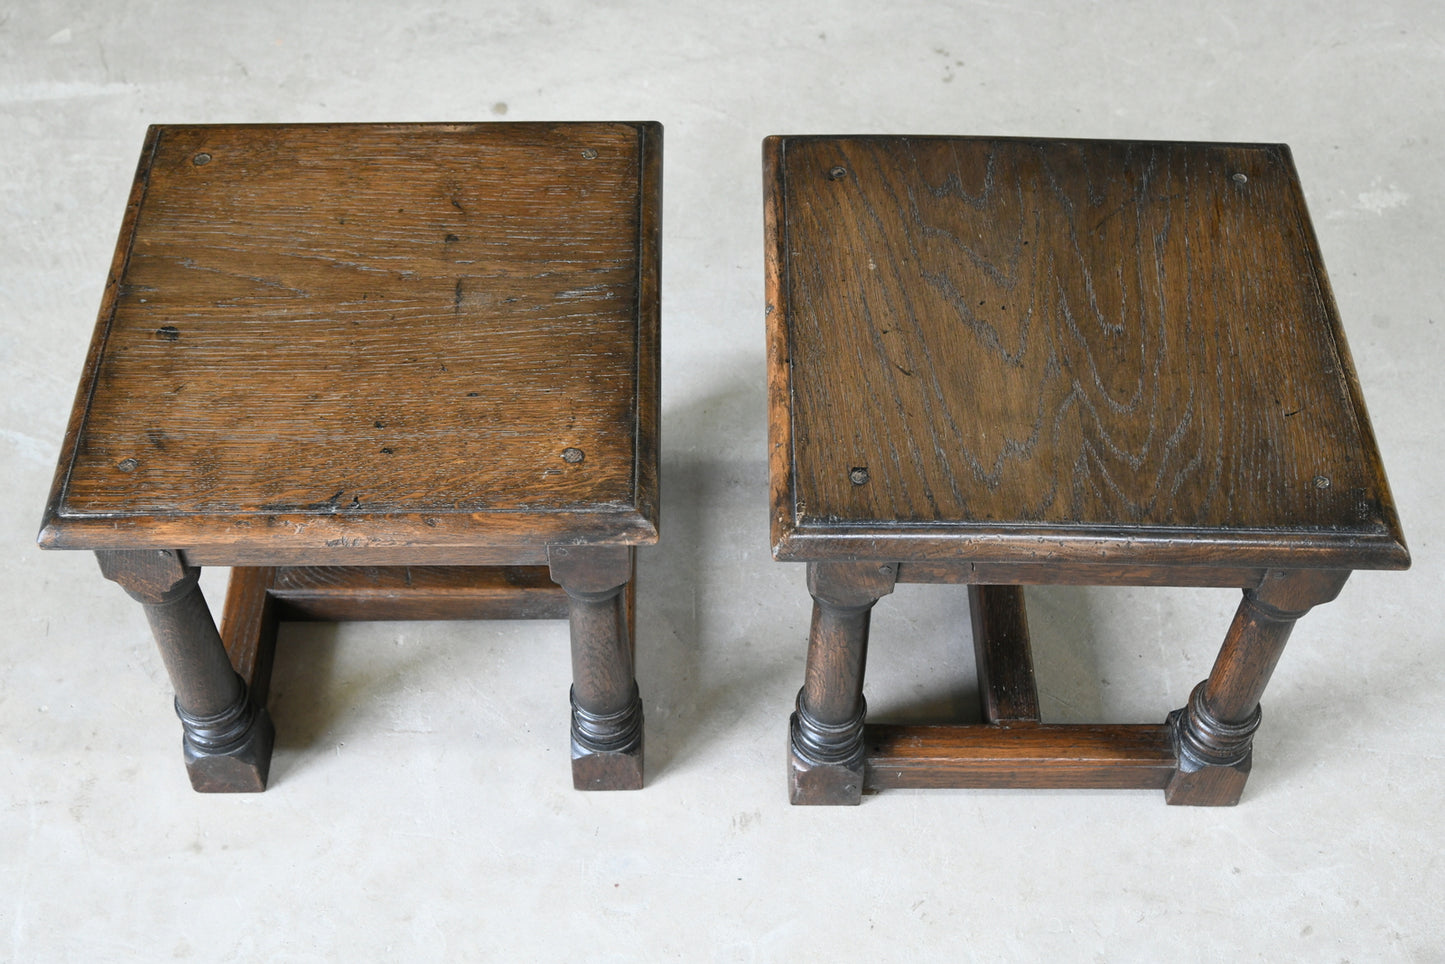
(1027, 756)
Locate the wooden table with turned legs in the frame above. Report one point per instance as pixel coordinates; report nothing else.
(383, 371)
(1004, 362)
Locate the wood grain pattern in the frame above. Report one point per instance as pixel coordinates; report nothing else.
(1076, 574)
(417, 592)
(373, 552)
(1002, 654)
(227, 737)
(607, 732)
(1033, 350)
(358, 335)
(249, 623)
(1040, 757)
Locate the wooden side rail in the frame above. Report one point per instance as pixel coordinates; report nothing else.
(1006, 687)
(334, 593)
(1027, 756)
(258, 598)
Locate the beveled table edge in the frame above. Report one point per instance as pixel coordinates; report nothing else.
(1271, 549)
(254, 539)
(1271, 146)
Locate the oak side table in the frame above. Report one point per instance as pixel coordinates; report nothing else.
(1008, 362)
(384, 371)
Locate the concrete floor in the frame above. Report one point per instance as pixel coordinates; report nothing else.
(420, 806)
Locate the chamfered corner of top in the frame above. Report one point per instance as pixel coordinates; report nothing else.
(783, 536)
(1395, 554)
(51, 535)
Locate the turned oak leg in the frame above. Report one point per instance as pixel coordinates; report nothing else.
(1213, 734)
(825, 746)
(227, 740)
(606, 707)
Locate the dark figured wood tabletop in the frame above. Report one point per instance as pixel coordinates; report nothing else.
(1047, 350)
(331, 335)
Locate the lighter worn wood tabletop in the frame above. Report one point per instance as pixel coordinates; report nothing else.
(404, 371)
(1070, 350)
(368, 335)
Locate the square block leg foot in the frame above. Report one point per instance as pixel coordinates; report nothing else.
(1208, 786)
(242, 769)
(824, 784)
(607, 769)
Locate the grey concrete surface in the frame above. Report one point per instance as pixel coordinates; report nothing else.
(420, 806)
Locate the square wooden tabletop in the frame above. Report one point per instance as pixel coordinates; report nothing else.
(1026, 350)
(372, 335)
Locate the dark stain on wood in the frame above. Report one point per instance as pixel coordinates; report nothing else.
(1060, 335)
